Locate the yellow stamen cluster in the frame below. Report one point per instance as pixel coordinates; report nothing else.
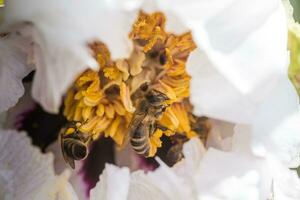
(148, 29)
(104, 101)
(95, 99)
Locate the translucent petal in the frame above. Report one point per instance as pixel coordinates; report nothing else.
(26, 173)
(289, 10)
(220, 135)
(280, 105)
(141, 188)
(13, 65)
(162, 184)
(286, 184)
(241, 175)
(193, 152)
(286, 141)
(113, 185)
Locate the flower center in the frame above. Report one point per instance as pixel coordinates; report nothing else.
(106, 101)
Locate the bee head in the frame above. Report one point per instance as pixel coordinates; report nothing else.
(156, 97)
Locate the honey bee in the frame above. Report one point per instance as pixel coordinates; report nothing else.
(74, 143)
(198, 124)
(143, 123)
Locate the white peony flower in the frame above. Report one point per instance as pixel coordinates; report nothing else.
(239, 74)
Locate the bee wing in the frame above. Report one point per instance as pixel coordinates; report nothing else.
(136, 120)
(67, 159)
(71, 162)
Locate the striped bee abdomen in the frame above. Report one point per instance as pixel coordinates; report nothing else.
(75, 148)
(140, 140)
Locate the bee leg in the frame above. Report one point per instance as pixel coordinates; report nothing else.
(71, 162)
(161, 127)
(152, 129)
(160, 111)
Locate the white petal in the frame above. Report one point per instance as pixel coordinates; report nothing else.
(244, 187)
(57, 188)
(220, 135)
(113, 185)
(115, 22)
(286, 141)
(241, 141)
(275, 128)
(62, 32)
(193, 152)
(240, 54)
(13, 65)
(289, 10)
(281, 104)
(142, 188)
(55, 74)
(162, 184)
(61, 35)
(242, 176)
(27, 174)
(286, 184)
(228, 176)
